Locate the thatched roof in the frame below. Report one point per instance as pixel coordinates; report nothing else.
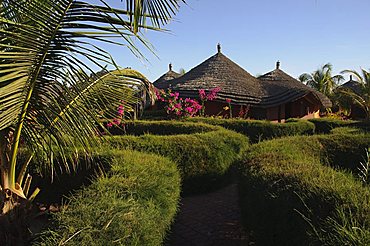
(163, 80)
(218, 71)
(280, 88)
(272, 89)
(353, 85)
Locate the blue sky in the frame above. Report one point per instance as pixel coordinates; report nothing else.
(302, 34)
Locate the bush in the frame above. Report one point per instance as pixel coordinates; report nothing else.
(203, 158)
(133, 204)
(164, 127)
(325, 125)
(289, 198)
(344, 151)
(258, 130)
(159, 114)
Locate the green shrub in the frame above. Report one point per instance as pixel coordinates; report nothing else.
(346, 130)
(258, 130)
(344, 151)
(325, 125)
(163, 127)
(288, 197)
(202, 158)
(159, 114)
(134, 203)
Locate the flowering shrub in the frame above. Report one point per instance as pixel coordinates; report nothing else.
(178, 106)
(207, 97)
(118, 120)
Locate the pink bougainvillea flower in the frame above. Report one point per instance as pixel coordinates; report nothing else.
(189, 109)
(109, 124)
(228, 100)
(202, 94)
(116, 121)
(120, 112)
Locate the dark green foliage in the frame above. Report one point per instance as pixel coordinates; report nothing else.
(159, 114)
(325, 125)
(258, 130)
(134, 203)
(344, 151)
(288, 197)
(202, 158)
(168, 127)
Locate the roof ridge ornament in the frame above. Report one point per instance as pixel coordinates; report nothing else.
(278, 64)
(170, 67)
(218, 48)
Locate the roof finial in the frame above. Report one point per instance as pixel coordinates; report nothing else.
(350, 77)
(170, 66)
(218, 48)
(278, 64)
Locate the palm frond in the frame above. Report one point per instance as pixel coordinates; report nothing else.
(46, 95)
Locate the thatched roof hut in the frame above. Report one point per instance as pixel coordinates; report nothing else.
(274, 95)
(280, 88)
(163, 80)
(218, 71)
(353, 85)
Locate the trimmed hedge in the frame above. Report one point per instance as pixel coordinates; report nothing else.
(258, 130)
(133, 204)
(163, 127)
(344, 151)
(289, 198)
(325, 125)
(158, 114)
(202, 158)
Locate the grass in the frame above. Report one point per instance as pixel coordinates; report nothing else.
(203, 158)
(289, 197)
(134, 203)
(258, 130)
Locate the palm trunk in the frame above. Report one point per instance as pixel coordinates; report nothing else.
(6, 203)
(4, 161)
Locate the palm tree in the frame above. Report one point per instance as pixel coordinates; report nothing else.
(47, 100)
(360, 96)
(322, 79)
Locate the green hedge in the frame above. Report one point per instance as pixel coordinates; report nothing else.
(325, 125)
(288, 197)
(163, 127)
(344, 151)
(159, 114)
(202, 158)
(258, 130)
(134, 203)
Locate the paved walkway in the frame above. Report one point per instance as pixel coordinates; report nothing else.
(209, 219)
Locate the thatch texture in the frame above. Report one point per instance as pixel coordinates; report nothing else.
(280, 88)
(353, 85)
(272, 89)
(162, 82)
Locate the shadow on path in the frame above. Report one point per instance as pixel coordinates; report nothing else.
(209, 219)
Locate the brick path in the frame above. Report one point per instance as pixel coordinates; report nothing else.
(209, 219)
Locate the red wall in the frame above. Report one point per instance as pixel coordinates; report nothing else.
(302, 108)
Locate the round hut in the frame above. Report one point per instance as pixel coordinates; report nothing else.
(162, 82)
(274, 96)
(286, 97)
(357, 112)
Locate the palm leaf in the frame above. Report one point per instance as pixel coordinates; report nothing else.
(45, 95)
